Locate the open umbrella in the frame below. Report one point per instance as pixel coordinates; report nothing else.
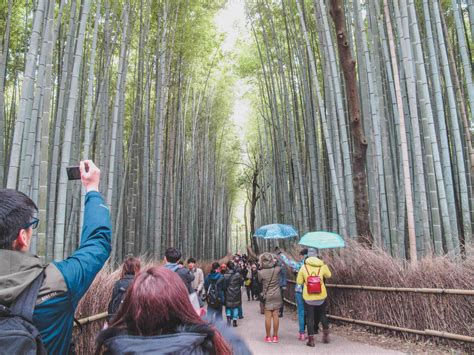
(276, 231)
(322, 240)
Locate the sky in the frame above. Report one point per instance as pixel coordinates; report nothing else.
(231, 21)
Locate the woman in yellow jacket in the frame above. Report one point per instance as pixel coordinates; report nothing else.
(315, 303)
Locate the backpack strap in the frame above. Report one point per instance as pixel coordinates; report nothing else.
(24, 305)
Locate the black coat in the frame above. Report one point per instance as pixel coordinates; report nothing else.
(118, 294)
(233, 282)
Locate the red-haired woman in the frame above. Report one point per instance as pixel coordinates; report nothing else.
(130, 267)
(157, 317)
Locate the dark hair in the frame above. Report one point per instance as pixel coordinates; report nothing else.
(215, 266)
(157, 303)
(172, 255)
(16, 211)
(230, 265)
(304, 251)
(131, 266)
(192, 260)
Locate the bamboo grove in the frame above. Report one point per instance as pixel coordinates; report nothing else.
(414, 64)
(140, 87)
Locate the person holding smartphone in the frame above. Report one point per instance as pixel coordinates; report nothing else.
(59, 285)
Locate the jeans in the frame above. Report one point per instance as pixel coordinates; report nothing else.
(241, 312)
(214, 314)
(232, 312)
(300, 310)
(314, 314)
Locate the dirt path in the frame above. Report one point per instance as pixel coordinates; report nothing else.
(252, 329)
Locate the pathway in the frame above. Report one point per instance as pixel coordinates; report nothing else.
(252, 329)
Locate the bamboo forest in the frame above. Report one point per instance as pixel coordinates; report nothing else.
(358, 119)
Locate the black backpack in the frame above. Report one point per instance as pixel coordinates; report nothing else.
(18, 334)
(212, 298)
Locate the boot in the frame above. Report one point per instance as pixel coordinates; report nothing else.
(325, 336)
(234, 323)
(228, 321)
(311, 341)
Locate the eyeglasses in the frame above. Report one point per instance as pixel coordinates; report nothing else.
(33, 224)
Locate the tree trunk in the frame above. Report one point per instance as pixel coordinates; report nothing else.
(359, 141)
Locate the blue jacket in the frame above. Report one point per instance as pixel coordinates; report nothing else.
(65, 281)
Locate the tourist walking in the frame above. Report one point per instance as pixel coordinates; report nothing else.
(156, 316)
(255, 285)
(172, 258)
(233, 293)
(271, 298)
(214, 288)
(312, 276)
(130, 267)
(198, 282)
(295, 266)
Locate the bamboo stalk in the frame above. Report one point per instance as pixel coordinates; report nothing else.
(426, 332)
(93, 318)
(403, 289)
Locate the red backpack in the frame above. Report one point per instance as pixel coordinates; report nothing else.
(313, 282)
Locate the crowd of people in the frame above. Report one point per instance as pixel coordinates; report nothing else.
(173, 306)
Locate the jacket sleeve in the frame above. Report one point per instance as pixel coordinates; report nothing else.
(300, 278)
(201, 281)
(206, 283)
(326, 272)
(290, 263)
(80, 269)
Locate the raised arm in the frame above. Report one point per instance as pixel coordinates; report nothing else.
(293, 265)
(80, 269)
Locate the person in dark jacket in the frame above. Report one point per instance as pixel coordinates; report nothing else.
(255, 285)
(66, 281)
(233, 282)
(157, 317)
(130, 268)
(172, 258)
(214, 280)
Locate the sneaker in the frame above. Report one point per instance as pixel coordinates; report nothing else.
(302, 337)
(268, 339)
(275, 339)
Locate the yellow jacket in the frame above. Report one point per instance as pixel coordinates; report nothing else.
(313, 265)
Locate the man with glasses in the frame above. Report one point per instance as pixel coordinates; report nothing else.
(64, 282)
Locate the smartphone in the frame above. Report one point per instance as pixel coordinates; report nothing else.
(73, 173)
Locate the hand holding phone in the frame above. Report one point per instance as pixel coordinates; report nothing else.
(90, 175)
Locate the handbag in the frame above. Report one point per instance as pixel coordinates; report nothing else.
(263, 296)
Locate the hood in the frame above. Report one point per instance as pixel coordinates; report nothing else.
(193, 339)
(17, 272)
(267, 264)
(179, 343)
(314, 261)
(172, 266)
(215, 275)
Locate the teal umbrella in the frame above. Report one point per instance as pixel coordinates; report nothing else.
(322, 240)
(276, 231)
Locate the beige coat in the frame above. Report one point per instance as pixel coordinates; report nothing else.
(269, 276)
(198, 283)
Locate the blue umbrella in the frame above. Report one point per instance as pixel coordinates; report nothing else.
(276, 231)
(322, 240)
